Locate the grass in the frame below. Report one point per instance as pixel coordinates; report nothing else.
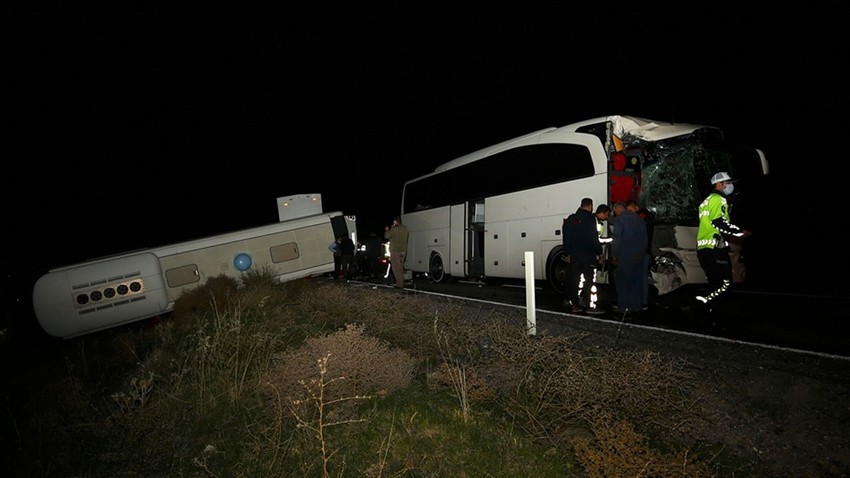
(312, 379)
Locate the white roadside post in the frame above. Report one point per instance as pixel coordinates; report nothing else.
(530, 305)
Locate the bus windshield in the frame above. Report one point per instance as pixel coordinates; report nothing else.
(672, 167)
(667, 164)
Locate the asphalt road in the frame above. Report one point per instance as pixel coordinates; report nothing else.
(797, 321)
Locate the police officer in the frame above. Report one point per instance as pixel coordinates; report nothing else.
(715, 227)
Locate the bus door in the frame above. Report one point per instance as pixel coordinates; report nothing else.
(456, 259)
(475, 238)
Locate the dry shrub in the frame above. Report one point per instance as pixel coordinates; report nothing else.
(319, 385)
(262, 292)
(326, 304)
(637, 385)
(617, 451)
(364, 365)
(464, 345)
(555, 388)
(447, 376)
(216, 290)
(469, 333)
(256, 287)
(261, 277)
(402, 320)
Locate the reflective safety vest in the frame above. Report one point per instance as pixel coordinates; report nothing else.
(602, 230)
(711, 208)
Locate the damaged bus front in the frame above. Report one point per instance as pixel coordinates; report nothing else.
(665, 167)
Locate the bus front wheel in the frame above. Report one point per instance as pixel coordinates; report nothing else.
(436, 269)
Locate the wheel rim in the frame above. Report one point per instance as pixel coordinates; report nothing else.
(558, 272)
(436, 268)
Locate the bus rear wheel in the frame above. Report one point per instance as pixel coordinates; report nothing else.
(436, 269)
(556, 271)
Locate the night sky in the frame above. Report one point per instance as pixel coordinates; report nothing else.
(135, 126)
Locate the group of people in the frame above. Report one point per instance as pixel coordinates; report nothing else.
(343, 250)
(629, 233)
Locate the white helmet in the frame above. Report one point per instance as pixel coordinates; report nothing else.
(721, 176)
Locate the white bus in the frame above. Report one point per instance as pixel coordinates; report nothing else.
(103, 293)
(476, 216)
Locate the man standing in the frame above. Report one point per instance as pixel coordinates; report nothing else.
(714, 228)
(334, 248)
(603, 212)
(649, 222)
(373, 252)
(628, 253)
(603, 227)
(346, 250)
(397, 234)
(583, 252)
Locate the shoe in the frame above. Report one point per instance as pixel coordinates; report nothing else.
(576, 309)
(595, 311)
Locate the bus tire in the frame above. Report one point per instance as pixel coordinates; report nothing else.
(436, 270)
(557, 270)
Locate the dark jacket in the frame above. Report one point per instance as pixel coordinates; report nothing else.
(346, 247)
(630, 238)
(373, 246)
(581, 239)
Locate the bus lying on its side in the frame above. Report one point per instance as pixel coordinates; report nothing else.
(107, 292)
(475, 216)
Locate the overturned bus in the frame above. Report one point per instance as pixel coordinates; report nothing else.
(107, 292)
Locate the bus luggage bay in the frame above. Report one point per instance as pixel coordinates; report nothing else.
(475, 216)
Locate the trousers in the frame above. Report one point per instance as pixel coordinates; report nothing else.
(397, 263)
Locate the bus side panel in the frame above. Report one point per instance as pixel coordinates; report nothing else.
(77, 300)
(289, 254)
(495, 247)
(428, 232)
(523, 236)
(548, 205)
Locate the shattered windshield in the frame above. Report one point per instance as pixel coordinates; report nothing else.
(673, 170)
